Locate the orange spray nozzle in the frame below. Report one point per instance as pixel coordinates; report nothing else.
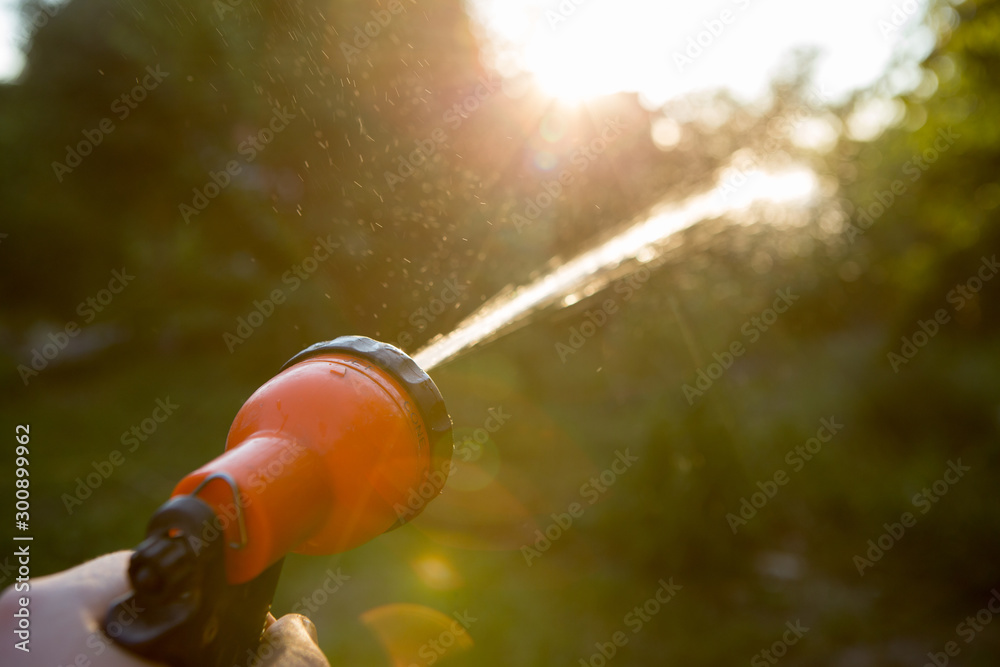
(350, 439)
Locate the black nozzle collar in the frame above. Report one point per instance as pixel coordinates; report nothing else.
(418, 385)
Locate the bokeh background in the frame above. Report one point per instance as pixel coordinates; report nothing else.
(230, 65)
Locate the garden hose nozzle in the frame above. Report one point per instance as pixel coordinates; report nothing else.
(322, 458)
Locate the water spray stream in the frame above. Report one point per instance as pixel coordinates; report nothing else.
(636, 242)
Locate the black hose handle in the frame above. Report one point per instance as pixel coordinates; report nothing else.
(181, 610)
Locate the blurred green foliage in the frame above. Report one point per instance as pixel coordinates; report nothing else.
(324, 176)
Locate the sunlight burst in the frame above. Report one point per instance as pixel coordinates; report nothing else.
(576, 50)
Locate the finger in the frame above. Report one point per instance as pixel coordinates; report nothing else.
(296, 624)
(291, 642)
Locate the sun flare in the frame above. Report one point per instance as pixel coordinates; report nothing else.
(567, 48)
(576, 50)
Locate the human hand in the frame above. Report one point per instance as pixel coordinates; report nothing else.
(67, 611)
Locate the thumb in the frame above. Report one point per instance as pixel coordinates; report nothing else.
(294, 626)
(293, 642)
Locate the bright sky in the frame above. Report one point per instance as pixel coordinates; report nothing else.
(581, 48)
(11, 60)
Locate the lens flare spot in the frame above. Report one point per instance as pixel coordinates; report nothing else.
(545, 160)
(553, 127)
(437, 573)
(645, 255)
(411, 633)
(666, 133)
(476, 461)
(487, 519)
